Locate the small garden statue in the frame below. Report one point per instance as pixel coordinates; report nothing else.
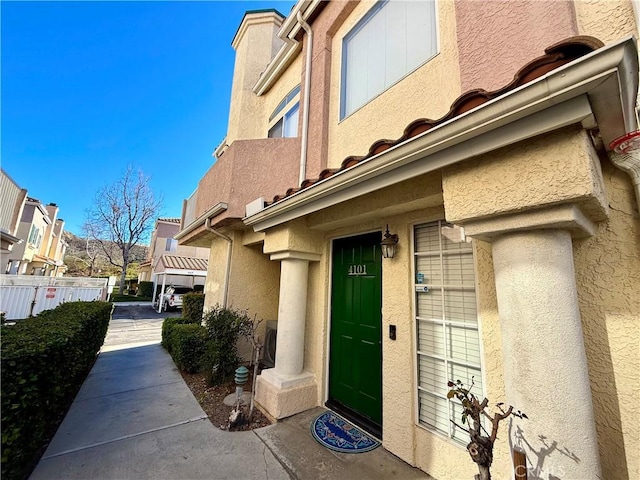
(481, 446)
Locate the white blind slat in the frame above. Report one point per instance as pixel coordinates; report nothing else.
(447, 324)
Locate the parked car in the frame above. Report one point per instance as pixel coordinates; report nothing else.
(171, 299)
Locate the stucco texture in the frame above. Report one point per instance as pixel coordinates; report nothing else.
(426, 93)
(555, 168)
(526, 27)
(608, 283)
(254, 283)
(234, 178)
(254, 50)
(605, 19)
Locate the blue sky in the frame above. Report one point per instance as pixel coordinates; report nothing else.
(91, 87)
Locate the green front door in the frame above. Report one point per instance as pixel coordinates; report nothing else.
(355, 357)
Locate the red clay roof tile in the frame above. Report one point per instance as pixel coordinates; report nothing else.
(555, 56)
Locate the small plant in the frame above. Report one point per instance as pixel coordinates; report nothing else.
(480, 447)
(249, 330)
(223, 328)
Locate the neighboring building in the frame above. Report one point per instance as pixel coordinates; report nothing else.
(517, 265)
(171, 263)
(12, 199)
(40, 246)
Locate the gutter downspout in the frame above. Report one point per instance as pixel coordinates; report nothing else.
(629, 163)
(307, 96)
(225, 291)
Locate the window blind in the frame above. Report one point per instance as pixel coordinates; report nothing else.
(448, 342)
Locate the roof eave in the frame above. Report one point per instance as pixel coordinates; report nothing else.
(214, 211)
(600, 87)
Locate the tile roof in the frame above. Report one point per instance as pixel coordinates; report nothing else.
(555, 56)
(184, 263)
(169, 220)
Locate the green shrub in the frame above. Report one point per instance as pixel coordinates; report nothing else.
(193, 306)
(145, 289)
(167, 330)
(44, 361)
(189, 344)
(223, 328)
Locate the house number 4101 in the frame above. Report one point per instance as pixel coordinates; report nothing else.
(357, 270)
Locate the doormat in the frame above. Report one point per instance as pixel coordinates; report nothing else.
(337, 434)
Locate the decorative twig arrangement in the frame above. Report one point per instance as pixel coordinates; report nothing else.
(480, 447)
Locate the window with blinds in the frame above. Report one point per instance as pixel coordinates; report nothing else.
(447, 338)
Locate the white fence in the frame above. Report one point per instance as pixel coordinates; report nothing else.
(25, 295)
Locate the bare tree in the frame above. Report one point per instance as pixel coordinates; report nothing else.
(480, 447)
(122, 215)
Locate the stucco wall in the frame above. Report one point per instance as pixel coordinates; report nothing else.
(607, 20)
(426, 93)
(608, 281)
(557, 167)
(247, 170)
(255, 46)
(526, 27)
(214, 286)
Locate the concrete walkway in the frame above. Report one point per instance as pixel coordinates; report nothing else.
(135, 418)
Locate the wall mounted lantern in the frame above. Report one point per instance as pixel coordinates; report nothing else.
(388, 244)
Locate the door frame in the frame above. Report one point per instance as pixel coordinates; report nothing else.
(325, 396)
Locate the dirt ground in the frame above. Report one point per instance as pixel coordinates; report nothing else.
(211, 401)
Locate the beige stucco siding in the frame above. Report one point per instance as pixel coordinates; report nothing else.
(605, 19)
(608, 281)
(254, 283)
(426, 93)
(550, 169)
(256, 44)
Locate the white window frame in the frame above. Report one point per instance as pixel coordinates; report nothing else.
(360, 25)
(416, 353)
(171, 245)
(284, 113)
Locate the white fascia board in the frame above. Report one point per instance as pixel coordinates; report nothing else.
(217, 209)
(570, 94)
(287, 53)
(182, 271)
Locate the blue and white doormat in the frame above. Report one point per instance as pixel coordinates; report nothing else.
(337, 434)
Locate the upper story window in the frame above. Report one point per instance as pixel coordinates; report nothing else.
(35, 236)
(392, 40)
(284, 119)
(172, 245)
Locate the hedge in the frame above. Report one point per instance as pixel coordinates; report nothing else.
(44, 361)
(193, 306)
(145, 289)
(167, 330)
(188, 346)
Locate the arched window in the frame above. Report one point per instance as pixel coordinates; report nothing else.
(283, 122)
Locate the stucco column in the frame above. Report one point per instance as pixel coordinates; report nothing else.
(292, 311)
(545, 365)
(287, 389)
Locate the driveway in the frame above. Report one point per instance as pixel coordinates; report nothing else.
(135, 324)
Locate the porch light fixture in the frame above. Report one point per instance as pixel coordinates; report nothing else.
(388, 244)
